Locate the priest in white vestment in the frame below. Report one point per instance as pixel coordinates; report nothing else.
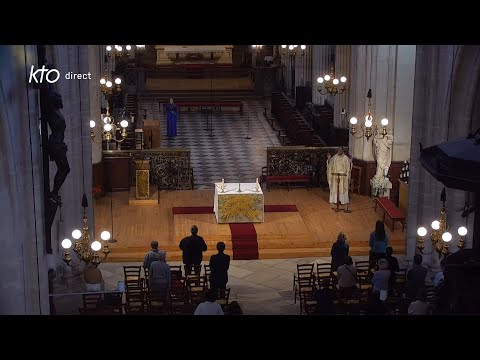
(342, 164)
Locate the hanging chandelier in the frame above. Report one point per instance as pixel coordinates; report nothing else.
(110, 128)
(257, 47)
(440, 236)
(85, 249)
(106, 85)
(293, 50)
(369, 127)
(122, 50)
(329, 84)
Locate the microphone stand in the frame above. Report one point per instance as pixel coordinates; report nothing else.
(248, 127)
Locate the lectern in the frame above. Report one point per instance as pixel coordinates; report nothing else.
(337, 209)
(142, 179)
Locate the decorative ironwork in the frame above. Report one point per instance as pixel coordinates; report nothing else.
(169, 168)
(300, 160)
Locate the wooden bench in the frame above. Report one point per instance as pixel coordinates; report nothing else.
(393, 212)
(215, 105)
(288, 179)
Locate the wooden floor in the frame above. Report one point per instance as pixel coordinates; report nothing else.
(307, 233)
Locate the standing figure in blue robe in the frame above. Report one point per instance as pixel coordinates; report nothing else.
(172, 116)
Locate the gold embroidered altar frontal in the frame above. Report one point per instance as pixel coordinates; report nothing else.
(232, 206)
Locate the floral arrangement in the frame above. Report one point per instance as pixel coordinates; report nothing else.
(98, 191)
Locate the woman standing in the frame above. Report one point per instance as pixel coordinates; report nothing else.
(378, 243)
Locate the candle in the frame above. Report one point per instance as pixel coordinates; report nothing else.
(256, 181)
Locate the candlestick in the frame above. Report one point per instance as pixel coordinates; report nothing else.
(222, 186)
(256, 185)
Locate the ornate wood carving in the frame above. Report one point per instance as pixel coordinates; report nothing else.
(300, 160)
(169, 168)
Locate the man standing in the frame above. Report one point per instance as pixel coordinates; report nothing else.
(338, 164)
(151, 255)
(192, 248)
(219, 264)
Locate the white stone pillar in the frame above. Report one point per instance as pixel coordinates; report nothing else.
(446, 91)
(96, 56)
(388, 70)
(23, 261)
(342, 68)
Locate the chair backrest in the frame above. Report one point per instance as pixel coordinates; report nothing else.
(362, 266)
(355, 177)
(222, 297)
(135, 285)
(305, 270)
(324, 270)
(176, 271)
(192, 270)
(132, 272)
(90, 301)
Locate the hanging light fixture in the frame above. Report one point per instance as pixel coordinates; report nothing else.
(440, 236)
(329, 84)
(107, 85)
(85, 249)
(369, 127)
(110, 128)
(293, 50)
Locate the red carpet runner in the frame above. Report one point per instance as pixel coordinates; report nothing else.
(244, 236)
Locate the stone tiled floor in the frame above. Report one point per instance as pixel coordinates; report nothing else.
(262, 287)
(226, 154)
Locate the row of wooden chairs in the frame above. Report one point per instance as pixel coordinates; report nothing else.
(306, 282)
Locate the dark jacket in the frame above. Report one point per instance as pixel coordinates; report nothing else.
(394, 267)
(416, 280)
(219, 264)
(192, 248)
(325, 305)
(339, 252)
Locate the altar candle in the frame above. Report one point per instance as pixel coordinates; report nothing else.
(256, 181)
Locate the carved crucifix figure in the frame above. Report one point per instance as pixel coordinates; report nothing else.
(56, 147)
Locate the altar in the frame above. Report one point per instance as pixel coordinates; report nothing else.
(232, 206)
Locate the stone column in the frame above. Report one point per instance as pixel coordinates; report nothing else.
(388, 70)
(342, 68)
(77, 112)
(96, 56)
(321, 59)
(446, 91)
(23, 261)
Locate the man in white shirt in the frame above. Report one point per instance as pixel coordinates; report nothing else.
(210, 306)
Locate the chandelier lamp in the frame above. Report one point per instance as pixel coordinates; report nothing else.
(370, 127)
(106, 85)
(110, 128)
(122, 50)
(257, 47)
(440, 236)
(86, 250)
(329, 84)
(293, 50)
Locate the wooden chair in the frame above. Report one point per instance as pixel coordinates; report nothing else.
(90, 301)
(305, 276)
(196, 288)
(132, 272)
(222, 298)
(135, 301)
(400, 281)
(355, 178)
(176, 272)
(308, 304)
(157, 302)
(324, 271)
(306, 290)
(145, 282)
(134, 285)
(178, 297)
(207, 275)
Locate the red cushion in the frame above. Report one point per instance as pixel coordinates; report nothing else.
(390, 208)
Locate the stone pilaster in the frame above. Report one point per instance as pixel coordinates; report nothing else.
(23, 261)
(446, 91)
(388, 70)
(342, 68)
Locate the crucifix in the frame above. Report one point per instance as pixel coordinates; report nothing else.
(337, 209)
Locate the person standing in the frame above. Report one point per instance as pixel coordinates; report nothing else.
(378, 243)
(338, 164)
(171, 112)
(192, 248)
(339, 251)
(347, 278)
(416, 277)
(380, 279)
(159, 275)
(219, 264)
(151, 255)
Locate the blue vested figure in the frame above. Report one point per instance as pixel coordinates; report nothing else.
(171, 111)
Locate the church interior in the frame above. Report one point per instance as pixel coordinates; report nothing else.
(294, 164)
